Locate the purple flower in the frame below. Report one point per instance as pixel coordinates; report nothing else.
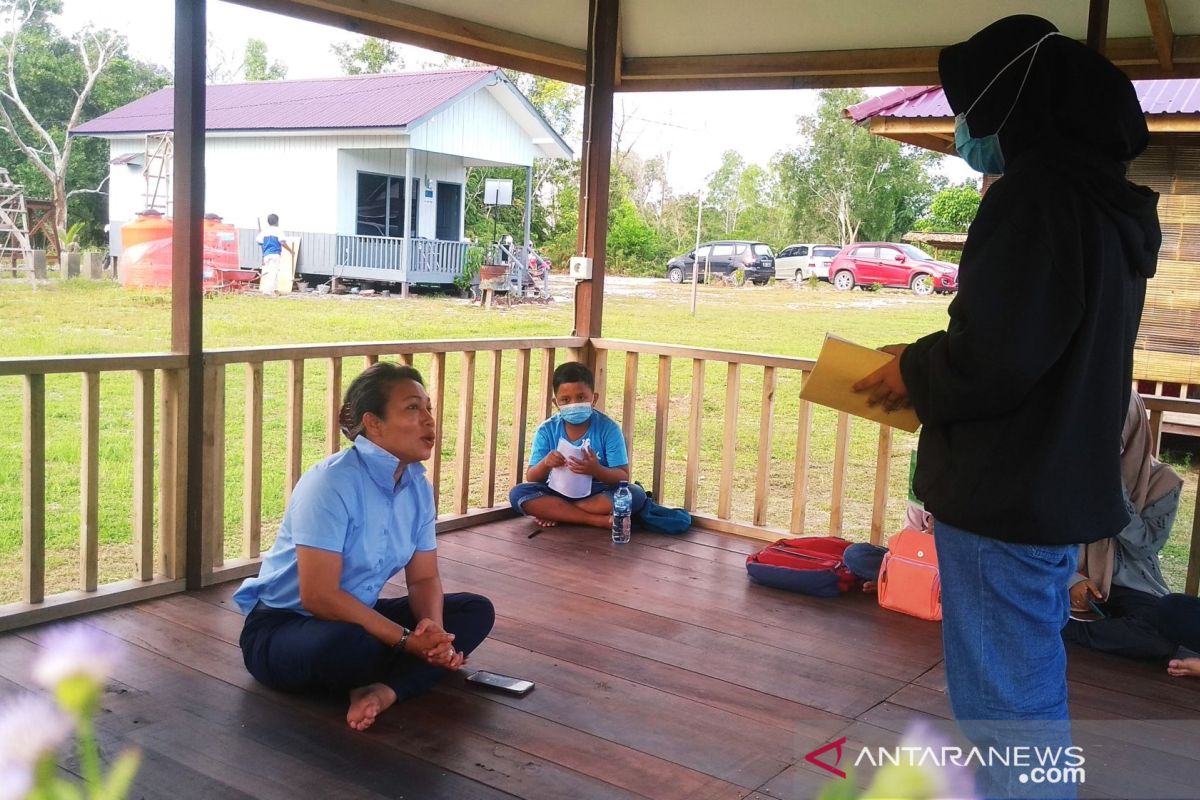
(75, 651)
(31, 727)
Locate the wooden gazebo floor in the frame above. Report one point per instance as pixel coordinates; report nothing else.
(661, 673)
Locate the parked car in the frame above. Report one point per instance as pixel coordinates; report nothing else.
(802, 261)
(723, 258)
(893, 265)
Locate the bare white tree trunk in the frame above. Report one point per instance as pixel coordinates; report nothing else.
(50, 157)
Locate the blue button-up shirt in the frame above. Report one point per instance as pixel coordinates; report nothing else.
(350, 503)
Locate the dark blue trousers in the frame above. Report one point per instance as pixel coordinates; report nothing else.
(296, 653)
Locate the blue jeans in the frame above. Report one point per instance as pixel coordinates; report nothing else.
(1004, 606)
(864, 560)
(522, 493)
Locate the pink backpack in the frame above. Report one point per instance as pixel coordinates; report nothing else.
(909, 581)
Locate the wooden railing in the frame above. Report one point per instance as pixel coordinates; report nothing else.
(721, 433)
(753, 515)
(157, 550)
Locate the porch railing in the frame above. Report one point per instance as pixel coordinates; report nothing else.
(705, 428)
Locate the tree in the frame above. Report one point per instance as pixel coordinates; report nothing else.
(953, 209)
(369, 56)
(723, 189)
(255, 66)
(48, 67)
(31, 44)
(861, 185)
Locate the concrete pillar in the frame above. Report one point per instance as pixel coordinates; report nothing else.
(72, 264)
(36, 260)
(91, 267)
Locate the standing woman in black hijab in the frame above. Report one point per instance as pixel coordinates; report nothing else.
(1024, 395)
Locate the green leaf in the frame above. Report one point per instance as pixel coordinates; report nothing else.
(120, 777)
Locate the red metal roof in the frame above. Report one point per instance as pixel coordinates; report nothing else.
(1177, 96)
(390, 100)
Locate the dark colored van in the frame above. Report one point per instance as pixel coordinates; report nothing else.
(723, 258)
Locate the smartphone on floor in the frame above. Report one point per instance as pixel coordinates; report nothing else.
(502, 683)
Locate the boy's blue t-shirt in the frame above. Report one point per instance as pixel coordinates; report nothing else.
(271, 240)
(603, 436)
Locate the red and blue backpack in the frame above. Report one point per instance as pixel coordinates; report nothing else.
(808, 564)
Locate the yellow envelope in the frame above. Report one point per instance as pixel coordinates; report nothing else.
(842, 364)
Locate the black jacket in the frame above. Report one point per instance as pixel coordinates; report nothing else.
(1024, 395)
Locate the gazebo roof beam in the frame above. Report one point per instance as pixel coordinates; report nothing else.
(1160, 30)
(408, 24)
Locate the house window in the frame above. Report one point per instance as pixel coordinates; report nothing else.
(380, 199)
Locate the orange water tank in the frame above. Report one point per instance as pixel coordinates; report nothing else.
(220, 244)
(146, 251)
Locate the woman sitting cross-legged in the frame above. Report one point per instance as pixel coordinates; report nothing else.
(1121, 575)
(315, 620)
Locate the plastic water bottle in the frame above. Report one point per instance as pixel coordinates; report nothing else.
(622, 513)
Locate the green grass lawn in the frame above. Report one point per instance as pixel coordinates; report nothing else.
(79, 317)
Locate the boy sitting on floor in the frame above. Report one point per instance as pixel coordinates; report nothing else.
(604, 457)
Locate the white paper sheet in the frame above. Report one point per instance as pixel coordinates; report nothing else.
(568, 483)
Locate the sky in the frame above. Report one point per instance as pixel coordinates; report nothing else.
(694, 128)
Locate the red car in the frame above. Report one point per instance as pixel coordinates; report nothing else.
(892, 265)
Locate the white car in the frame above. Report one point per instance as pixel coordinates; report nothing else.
(801, 261)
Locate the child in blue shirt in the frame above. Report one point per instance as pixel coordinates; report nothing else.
(271, 240)
(604, 458)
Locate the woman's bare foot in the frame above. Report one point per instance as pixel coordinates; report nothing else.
(545, 523)
(1184, 667)
(367, 703)
(870, 587)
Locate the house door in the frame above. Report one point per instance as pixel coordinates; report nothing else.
(449, 211)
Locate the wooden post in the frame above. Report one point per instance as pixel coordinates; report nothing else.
(1097, 25)
(800, 477)
(89, 482)
(883, 468)
(596, 159)
(520, 412)
(662, 407)
(213, 501)
(333, 402)
(143, 475)
(466, 408)
(187, 327)
(33, 502)
(841, 457)
(1192, 582)
(600, 372)
(294, 452)
(766, 412)
(691, 481)
(437, 394)
(729, 444)
(492, 424)
(629, 404)
(252, 462)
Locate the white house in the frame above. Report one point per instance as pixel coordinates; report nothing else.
(330, 157)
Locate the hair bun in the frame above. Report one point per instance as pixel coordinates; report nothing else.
(350, 429)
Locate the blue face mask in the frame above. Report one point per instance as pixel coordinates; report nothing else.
(576, 413)
(982, 153)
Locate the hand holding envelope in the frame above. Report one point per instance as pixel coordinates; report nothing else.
(842, 366)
